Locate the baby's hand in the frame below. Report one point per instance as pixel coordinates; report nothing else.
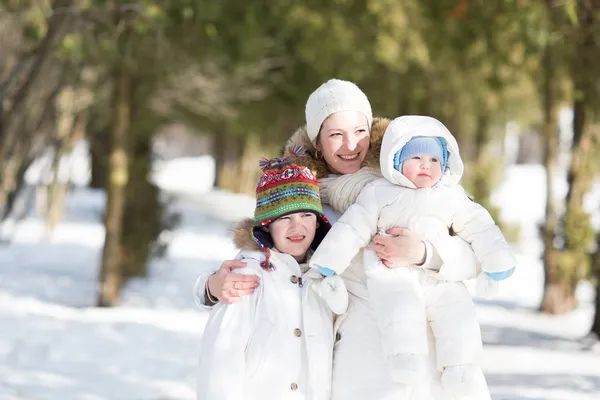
(326, 271)
(333, 291)
(500, 276)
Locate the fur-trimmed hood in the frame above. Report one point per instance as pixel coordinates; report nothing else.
(244, 232)
(319, 166)
(242, 235)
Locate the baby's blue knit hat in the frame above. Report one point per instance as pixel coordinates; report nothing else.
(435, 146)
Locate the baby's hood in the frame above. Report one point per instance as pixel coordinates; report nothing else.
(403, 129)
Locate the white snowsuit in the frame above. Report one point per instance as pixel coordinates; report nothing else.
(405, 299)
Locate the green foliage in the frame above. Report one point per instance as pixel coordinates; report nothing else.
(245, 69)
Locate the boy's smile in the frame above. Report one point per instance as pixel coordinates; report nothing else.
(296, 238)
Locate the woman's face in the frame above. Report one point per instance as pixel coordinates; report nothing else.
(344, 141)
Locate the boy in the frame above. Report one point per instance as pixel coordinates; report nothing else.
(262, 346)
(421, 166)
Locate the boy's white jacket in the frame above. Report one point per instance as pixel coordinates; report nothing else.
(274, 344)
(429, 213)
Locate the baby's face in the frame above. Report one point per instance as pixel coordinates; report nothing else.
(424, 170)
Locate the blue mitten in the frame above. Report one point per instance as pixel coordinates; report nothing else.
(500, 276)
(326, 271)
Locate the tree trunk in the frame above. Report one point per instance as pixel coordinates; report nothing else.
(481, 177)
(249, 173)
(58, 190)
(579, 236)
(596, 274)
(9, 175)
(142, 222)
(98, 159)
(98, 132)
(228, 153)
(11, 121)
(118, 171)
(551, 302)
(219, 150)
(559, 297)
(11, 196)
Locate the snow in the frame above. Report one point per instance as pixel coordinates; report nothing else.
(185, 174)
(54, 344)
(73, 167)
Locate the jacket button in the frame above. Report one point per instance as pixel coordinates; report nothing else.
(338, 337)
(294, 279)
(297, 332)
(294, 386)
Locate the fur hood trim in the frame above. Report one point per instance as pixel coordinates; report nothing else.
(242, 235)
(318, 165)
(244, 232)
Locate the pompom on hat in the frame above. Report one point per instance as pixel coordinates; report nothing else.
(333, 96)
(285, 188)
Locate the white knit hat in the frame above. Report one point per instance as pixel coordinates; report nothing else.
(334, 96)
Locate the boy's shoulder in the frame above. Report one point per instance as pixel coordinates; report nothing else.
(252, 260)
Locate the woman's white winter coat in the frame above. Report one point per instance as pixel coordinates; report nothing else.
(360, 367)
(274, 344)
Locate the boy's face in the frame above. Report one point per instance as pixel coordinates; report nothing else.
(424, 170)
(293, 233)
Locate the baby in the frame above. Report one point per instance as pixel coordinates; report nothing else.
(420, 190)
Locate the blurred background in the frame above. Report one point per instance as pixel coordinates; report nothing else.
(129, 138)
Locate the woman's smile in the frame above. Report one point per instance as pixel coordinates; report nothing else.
(349, 157)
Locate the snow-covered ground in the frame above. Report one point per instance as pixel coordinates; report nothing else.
(55, 345)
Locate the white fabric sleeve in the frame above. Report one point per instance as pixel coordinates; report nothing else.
(432, 261)
(200, 289)
(222, 367)
(349, 234)
(473, 223)
(454, 259)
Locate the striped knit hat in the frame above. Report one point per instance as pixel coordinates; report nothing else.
(286, 188)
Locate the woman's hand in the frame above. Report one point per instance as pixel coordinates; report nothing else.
(401, 249)
(229, 287)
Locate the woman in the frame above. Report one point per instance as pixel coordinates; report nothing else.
(337, 139)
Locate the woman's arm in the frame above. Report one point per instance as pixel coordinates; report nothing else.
(223, 285)
(402, 248)
(466, 268)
